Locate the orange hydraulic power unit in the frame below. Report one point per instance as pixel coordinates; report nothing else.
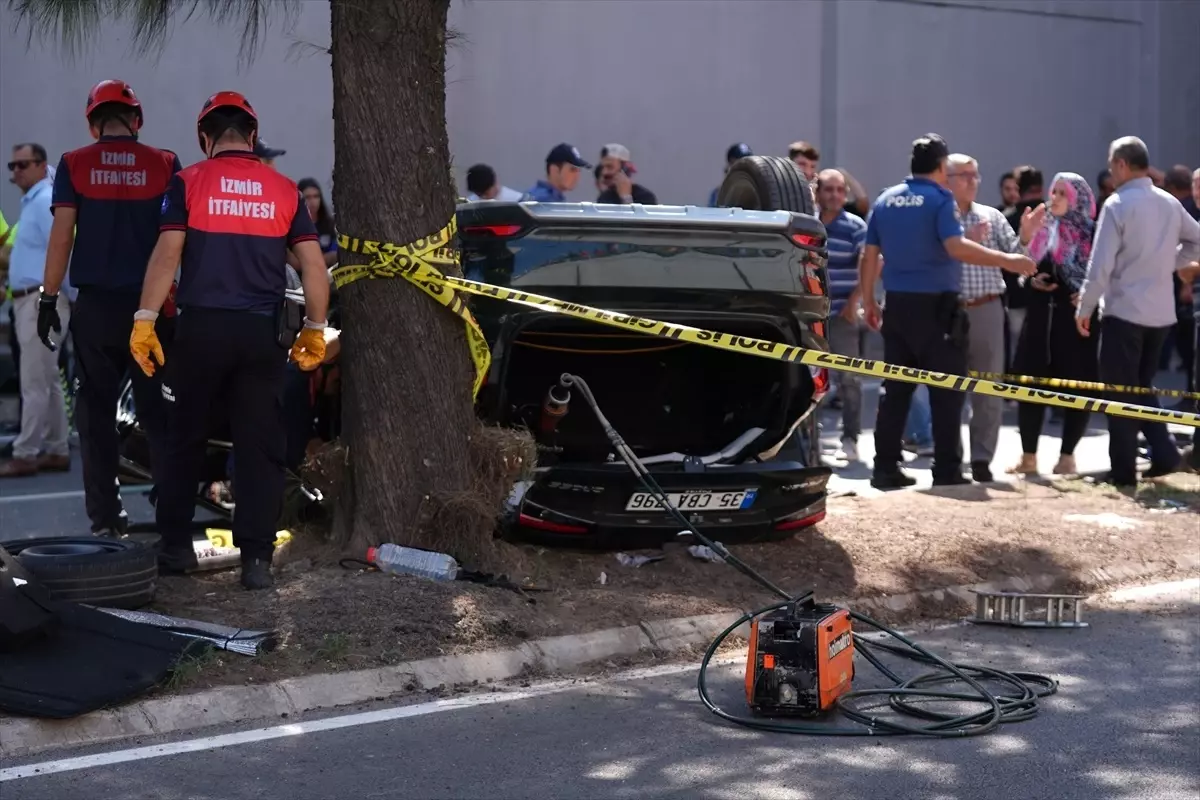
(800, 659)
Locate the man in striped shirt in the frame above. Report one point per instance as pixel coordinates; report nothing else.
(982, 293)
(846, 236)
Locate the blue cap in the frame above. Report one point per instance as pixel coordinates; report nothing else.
(739, 150)
(566, 154)
(264, 150)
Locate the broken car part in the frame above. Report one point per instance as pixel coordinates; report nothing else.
(236, 640)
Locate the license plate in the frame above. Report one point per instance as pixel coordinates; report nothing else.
(696, 500)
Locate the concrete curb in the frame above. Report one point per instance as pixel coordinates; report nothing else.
(22, 736)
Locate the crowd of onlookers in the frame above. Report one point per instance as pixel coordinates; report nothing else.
(1022, 325)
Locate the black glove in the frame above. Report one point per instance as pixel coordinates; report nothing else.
(48, 319)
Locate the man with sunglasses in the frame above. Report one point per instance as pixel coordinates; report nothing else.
(107, 204)
(42, 443)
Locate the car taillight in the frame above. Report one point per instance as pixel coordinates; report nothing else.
(808, 240)
(493, 230)
(802, 522)
(547, 525)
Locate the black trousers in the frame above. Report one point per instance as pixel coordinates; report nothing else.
(100, 329)
(1129, 357)
(230, 358)
(924, 331)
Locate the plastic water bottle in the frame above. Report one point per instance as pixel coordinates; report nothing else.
(409, 561)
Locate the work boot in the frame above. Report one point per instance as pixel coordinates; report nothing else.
(886, 480)
(19, 468)
(176, 560)
(256, 574)
(951, 479)
(53, 463)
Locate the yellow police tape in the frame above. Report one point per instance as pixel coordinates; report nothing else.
(1082, 386)
(419, 264)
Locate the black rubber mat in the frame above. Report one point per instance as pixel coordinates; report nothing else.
(91, 660)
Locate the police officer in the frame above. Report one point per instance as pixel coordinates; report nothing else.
(914, 227)
(106, 204)
(228, 222)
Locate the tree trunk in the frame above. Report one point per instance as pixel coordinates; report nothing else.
(409, 415)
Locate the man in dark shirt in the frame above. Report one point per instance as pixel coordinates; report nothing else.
(228, 222)
(1010, 195)
(106, 203)
(618, 170)
(1016, 296)
(914, 227)
(562, 173)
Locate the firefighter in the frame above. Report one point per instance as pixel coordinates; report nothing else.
(228, 222)
(106, 204)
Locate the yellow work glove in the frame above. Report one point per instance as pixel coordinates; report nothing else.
(143, 343)
(309, 350)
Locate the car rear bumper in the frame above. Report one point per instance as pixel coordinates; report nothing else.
(584, 506)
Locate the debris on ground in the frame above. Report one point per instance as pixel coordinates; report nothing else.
(626, 560)
(706, 553)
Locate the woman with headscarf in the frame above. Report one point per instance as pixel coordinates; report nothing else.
(1059, 239)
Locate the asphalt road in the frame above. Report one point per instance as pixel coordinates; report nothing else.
(1126, 724)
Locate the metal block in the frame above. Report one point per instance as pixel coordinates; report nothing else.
(1029, 609)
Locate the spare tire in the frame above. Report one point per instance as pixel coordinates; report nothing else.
(90, 569)
(766, 183)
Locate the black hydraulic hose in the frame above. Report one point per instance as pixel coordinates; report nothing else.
(1017, 702)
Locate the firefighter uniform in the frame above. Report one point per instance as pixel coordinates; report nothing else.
(240, 217)
(116, 186)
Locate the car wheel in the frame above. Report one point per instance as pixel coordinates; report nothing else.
(766, 183)
(117, 573)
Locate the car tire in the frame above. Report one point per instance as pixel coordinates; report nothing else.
(117, 573)
(766, 183)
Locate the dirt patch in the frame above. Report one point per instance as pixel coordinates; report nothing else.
(330, 618)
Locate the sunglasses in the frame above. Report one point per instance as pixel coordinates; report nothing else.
(25, 163)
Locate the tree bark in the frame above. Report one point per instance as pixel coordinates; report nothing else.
(409, 415)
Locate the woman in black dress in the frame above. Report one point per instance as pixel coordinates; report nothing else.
(1050, 345)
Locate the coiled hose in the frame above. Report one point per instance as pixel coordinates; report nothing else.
(1017, 701)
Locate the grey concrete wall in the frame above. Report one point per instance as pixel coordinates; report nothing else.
(1009, 81)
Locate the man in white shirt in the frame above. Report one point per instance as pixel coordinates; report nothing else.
(1142, 237)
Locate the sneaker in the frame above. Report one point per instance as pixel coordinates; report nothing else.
(981, 472)
(849, 451)
(256, 575)
(891, 479)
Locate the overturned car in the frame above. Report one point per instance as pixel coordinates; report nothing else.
(731, 438)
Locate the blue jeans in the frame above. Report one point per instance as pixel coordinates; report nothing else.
(919, 427)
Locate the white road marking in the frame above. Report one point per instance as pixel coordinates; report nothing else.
(32, 498)
(334, 723)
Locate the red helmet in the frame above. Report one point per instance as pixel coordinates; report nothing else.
(113, 92)
(228, 100)
(233, 100)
